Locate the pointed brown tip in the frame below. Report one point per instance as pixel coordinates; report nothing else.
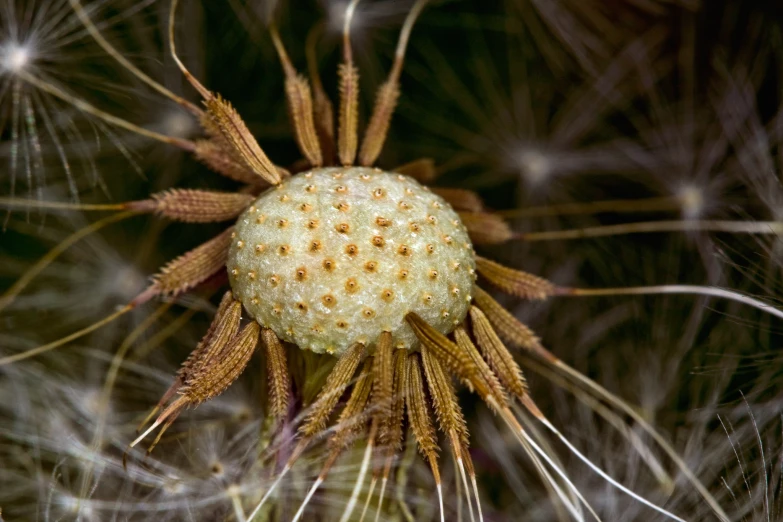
(531, 406)
(150, 292)
(144, 205)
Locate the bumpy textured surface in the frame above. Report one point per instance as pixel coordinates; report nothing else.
(335, 256)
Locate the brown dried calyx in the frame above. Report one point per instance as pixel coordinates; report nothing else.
(217, 361)
(485, 228)
(277, 368)
(193, 267)
(226, 123)
(514, 282)
(195, 206)
(300, 105)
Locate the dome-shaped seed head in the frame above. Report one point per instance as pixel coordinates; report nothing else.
(336, 256)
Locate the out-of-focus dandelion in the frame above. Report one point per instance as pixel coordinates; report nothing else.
(14, 57)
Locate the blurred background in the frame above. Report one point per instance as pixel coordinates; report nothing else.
(655, 125)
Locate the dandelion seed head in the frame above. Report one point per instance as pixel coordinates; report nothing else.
(534, 166)
(691, 199)
(122, 280)
(69, 504)
(15, 57)
(234, 490)
(348, 254)
(174, 486)
(178, 124)
(365, 18)
(220, 465)
(335, 16)
(85, 400)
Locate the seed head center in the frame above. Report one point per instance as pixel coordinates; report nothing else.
(336, 256)
(14, 57)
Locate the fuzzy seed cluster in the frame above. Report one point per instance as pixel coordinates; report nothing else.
(336, 256)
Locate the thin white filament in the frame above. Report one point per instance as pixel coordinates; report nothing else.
(407, 27)
(604, 475)
(172, 43)
(458, 488)
(440, 501)
(573, 507)
(369, 497)
(467, 488)
(149, 430)
(98, 37)
(268, 493)
(527, 443)
(239, 513)
(105, 116)
(763, 457)
(357, 488)
(478, 501)
(306, 501)
(384, 481)
(680, 289)
(731, 227)
(522, 436)
(667, 448)
(349, 11)
(748, 489)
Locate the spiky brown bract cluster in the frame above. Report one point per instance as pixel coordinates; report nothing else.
(353, 261)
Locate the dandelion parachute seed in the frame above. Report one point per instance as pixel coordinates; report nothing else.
(366, 265)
